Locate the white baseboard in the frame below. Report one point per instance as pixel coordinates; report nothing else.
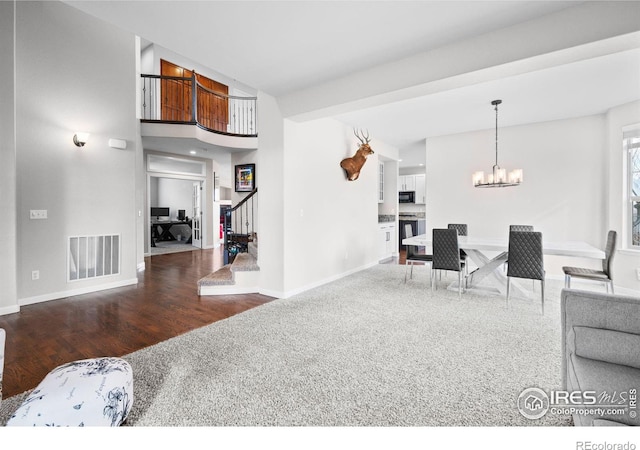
(319, 283)
(9, 310)
(73, 292)
(271, 293)
(229, 289)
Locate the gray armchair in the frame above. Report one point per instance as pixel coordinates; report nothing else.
(600, 352)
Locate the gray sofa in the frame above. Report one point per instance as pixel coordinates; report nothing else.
(601, 352)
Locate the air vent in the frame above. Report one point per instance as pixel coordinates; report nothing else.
(93, 256)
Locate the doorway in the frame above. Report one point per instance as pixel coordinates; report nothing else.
(180, 200)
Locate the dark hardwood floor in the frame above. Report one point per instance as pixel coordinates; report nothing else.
(114, 322)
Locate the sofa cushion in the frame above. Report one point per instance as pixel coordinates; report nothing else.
(610, 346)
(604, 378)
(90, 392)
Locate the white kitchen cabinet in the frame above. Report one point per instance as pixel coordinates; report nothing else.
(421, 191)
(407, 183)
(386, 240)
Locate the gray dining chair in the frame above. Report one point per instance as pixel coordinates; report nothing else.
(446, 255)
(412, 255)
(526, 259)
(517, 228)
(462, 229)
(603, 275)
(520, 227)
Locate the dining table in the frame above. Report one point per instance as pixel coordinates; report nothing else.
(480, 249)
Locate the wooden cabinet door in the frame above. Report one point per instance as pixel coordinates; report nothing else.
(212, 102)
(213, 109)
(175, 94)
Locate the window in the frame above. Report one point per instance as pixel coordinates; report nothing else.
(632, 146)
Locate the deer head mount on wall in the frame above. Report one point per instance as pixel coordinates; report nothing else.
(353, 165)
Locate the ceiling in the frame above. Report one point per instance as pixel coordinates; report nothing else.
(289, 46)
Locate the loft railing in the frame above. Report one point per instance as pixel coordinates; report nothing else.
(239, 226)
(168, 99)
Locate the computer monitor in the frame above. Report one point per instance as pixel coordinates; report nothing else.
(157, 211)
(181, 214)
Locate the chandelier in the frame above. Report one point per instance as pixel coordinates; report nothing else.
(498, 177)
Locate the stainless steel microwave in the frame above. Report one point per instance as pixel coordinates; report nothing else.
(406, 197)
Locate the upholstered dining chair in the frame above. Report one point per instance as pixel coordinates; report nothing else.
(446, 255)
(462, 229)
(520, 227)
(412, 255)
(526, 259)
(517, 228)
(603, 275)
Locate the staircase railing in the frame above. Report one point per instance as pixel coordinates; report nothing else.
(240, 226)
(208, 109)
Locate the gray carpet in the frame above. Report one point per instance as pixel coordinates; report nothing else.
(366, 350)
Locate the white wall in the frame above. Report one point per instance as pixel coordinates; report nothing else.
(626, 261)
(150, 64)
(270, 170)
(176, 194)
(8, 231)
(330, 223)
(563, 194)
(74, 73)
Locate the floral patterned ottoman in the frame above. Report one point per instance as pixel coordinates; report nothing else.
(89, 392)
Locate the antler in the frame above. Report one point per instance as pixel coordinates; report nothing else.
(364, 139)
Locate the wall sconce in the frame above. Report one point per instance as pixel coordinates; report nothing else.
(80, 139)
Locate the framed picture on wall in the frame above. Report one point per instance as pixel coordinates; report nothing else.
(245, 177)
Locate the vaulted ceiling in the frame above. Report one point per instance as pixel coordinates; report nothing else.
(406, 70)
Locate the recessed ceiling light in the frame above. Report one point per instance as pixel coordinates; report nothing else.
(193, 152)
(421, 164)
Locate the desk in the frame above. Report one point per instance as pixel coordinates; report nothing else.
(475, 247)
(165, 230)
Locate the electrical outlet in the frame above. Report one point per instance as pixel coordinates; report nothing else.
(35, 274)
(638, 273)
(38, 214)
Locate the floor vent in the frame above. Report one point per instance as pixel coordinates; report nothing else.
(93, 256)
